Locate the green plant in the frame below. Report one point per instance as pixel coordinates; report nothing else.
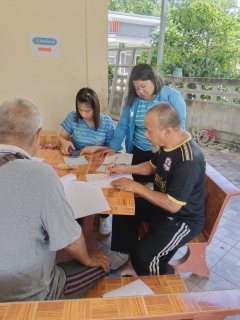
(145, 7)
(237, 90)
(222, 99)
(202, 38)
(110, 70)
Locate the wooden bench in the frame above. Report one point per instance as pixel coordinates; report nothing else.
(193, 305)
(218, 191)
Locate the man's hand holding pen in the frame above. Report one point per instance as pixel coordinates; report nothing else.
(112, 168)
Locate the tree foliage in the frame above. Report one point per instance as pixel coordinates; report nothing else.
(144, 7)
(202, 38)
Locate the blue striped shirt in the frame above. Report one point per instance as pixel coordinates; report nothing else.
(139, 138)
(84, 136)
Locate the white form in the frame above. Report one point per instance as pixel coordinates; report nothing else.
(104, 180)
(84, 198)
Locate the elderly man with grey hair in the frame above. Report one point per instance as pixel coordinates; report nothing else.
(36, 219)
(174, 208)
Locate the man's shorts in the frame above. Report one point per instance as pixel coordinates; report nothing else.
(79, 278)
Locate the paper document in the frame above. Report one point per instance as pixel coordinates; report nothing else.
(149, 185)
(135, 288)
(84, 198)
(38, 159)
(119, 158)
(68, 177)
(102, 168)
(76, 161)
(104, 180)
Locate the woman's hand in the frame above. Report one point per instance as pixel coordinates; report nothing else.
(89, 149)
(64, 142)
(107, 152)
(65, 146)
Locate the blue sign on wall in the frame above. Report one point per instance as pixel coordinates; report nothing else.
(45, 45)
(44, 41)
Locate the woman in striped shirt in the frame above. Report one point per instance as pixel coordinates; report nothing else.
(90, 131)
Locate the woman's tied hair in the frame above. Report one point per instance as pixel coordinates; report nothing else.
(88, 96)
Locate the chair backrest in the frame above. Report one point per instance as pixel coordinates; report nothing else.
(218, 191)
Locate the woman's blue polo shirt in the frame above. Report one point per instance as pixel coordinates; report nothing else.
(83, 135)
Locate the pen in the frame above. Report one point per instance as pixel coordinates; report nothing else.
(114, 161)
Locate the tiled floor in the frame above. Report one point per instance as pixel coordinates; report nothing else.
(223, 254)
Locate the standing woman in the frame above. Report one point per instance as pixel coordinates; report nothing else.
(90, 131)
(145, 89)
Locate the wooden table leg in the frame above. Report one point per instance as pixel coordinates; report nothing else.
(87, 227)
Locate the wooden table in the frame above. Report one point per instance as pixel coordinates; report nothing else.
(120, 202)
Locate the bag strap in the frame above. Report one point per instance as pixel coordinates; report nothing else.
(10, 157)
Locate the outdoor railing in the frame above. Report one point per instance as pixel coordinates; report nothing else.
(215, 90)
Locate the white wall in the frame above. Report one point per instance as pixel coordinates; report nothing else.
(49, 82)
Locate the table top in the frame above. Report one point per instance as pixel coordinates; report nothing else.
(120, 202)
(186, 305)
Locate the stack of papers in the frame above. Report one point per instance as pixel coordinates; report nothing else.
(80, 196)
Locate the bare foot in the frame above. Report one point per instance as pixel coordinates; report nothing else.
(127, 269)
